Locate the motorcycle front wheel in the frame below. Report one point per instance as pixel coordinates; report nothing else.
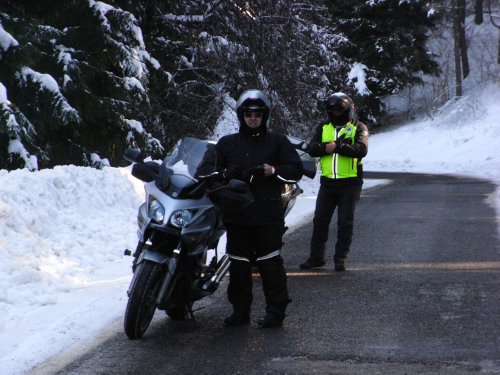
(141, 304)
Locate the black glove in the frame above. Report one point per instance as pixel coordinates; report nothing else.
(341, 139)
(316, 148)
(250, 174)
(233, 171)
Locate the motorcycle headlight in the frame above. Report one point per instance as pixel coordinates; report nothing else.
(180, 218)
(156, 211)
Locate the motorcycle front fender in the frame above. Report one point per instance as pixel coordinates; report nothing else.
(150, 255)
(153, 256)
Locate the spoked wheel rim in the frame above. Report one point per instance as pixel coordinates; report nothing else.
(149, 307)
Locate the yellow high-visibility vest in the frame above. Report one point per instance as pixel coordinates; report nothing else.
(337, 166)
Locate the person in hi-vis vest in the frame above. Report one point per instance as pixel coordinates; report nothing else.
(340, 144)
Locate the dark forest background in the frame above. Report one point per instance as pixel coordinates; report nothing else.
(85, 79)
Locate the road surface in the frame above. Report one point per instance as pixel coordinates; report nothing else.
(421, 296)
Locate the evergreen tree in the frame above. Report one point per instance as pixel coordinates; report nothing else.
(79, 76)
(85, 79)
(389, 38)
(282, 47)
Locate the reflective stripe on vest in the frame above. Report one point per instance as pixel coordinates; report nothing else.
(337, 166)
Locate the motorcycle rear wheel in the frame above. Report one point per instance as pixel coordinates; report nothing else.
(141, 304)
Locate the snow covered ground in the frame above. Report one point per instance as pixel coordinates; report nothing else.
(63, 276)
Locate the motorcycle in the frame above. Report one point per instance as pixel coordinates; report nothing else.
(179, 225)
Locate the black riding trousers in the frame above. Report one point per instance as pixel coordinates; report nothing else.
(344, 199)
(259, 246)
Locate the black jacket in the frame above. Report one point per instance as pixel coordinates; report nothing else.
(248, 151)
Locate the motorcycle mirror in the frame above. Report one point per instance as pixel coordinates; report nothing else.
(238, 186)
(132, 155)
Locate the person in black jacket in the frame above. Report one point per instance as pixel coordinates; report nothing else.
(341, 144)
(254, 234)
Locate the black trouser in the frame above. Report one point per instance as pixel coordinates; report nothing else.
(344, 198)
(256, 245)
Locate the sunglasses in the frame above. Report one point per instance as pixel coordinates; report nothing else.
(253, 114)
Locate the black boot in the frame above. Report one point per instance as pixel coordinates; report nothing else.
(312, 263)
(340, 266)
(275, 314)
(339, 263)
(238, 317)
(271, 320)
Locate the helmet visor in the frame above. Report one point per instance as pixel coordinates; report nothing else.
(256, 114)
(337, 109)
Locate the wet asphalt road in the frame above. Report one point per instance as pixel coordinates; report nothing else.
(421, 296)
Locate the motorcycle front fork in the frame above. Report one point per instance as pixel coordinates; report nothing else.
(136, 254)
(167, 281)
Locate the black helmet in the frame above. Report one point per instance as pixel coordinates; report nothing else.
(340, 108)
(255, 101)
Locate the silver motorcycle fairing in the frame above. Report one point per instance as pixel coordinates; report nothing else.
(143, 221)
(171, 204)
(204, 228)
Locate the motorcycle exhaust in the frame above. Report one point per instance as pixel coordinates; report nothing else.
(212, 284)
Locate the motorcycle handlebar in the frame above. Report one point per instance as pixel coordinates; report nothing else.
(208, 176)
(252, 170)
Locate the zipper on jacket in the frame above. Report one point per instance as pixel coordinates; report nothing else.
(334, 166)
(334, 156)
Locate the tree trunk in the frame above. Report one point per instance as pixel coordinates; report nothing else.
(456, 42)
(461, 37)
(498, 56)
(478, 12)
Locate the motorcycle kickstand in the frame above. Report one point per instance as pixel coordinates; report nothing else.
(191, 315)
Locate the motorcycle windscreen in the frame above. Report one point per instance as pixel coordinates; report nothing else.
(178, 174)
(187, 155)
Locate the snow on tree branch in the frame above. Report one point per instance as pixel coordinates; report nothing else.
(193, 18)
(358, 76)
(3, 94)
(6, 40)
(47, 83)
(15, 131)
(137, 127)
(123, 32)
(16, 147)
